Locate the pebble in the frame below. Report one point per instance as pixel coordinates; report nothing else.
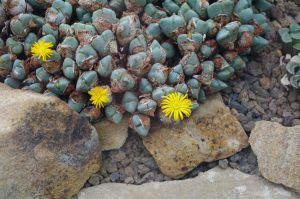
(128, 171)
(142, 169)
(95, 179)
(288, 121)
(239, 107)
(111, 167)
(277, 93)
(129, 180)
(265, 83)
(223, 163)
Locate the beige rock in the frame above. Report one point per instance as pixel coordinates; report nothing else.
(111, 135)
(278, 152)
(213, 184)
(46, 149)
(211, 133)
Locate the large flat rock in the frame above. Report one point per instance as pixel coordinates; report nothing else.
(278, 152)
(46, 150)
(211, 133)
(213, 184)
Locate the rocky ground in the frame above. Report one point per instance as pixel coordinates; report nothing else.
(32, 148)
(257, 94)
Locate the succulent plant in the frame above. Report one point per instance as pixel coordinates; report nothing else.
(137, 57)
(293, 75)
(290, 38)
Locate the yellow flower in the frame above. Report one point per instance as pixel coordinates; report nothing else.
(100, 96)
(42, 50)
(176, 106)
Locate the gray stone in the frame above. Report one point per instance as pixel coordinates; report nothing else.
(46, 149)
(213, 184)
(277, 150)
(223, 163)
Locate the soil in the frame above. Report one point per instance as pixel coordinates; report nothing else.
(256, 95)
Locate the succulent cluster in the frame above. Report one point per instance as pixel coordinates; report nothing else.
(145, 57)
(290, 38)
(293, 76)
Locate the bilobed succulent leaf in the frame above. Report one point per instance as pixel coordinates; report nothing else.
(224, 7)
(294, 65)
(296, 48)
(294, 27)
(117, 5)
(158, 74)
(295, 81)
(172, 26)
(13, 83)
(199, 6)
(259, 44)
(103, 19)
(128, 27)
(170, 6)
(70, 68)
(130, 101)
(138, 45)
(228, 34)
(145, 86)
(153, 32)
(161, 91)
(241, 5)
(246, 15)
(217, 85)
(86, 81)
(196, 25)
(113, 113)
(105, 66)
(140, 123)
(169, 49)
(263, 5)
(187, 12)
(19, 70)
(152, 14)
(92, 5)
(59, 85)
(295, 37)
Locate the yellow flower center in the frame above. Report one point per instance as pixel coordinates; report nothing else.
(100, 96)
(176, 106)
(42, 50)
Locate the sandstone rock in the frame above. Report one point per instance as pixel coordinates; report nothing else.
(216, 183)
(46, 149)
(278, 152)
(111, 135)
(211, 133)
